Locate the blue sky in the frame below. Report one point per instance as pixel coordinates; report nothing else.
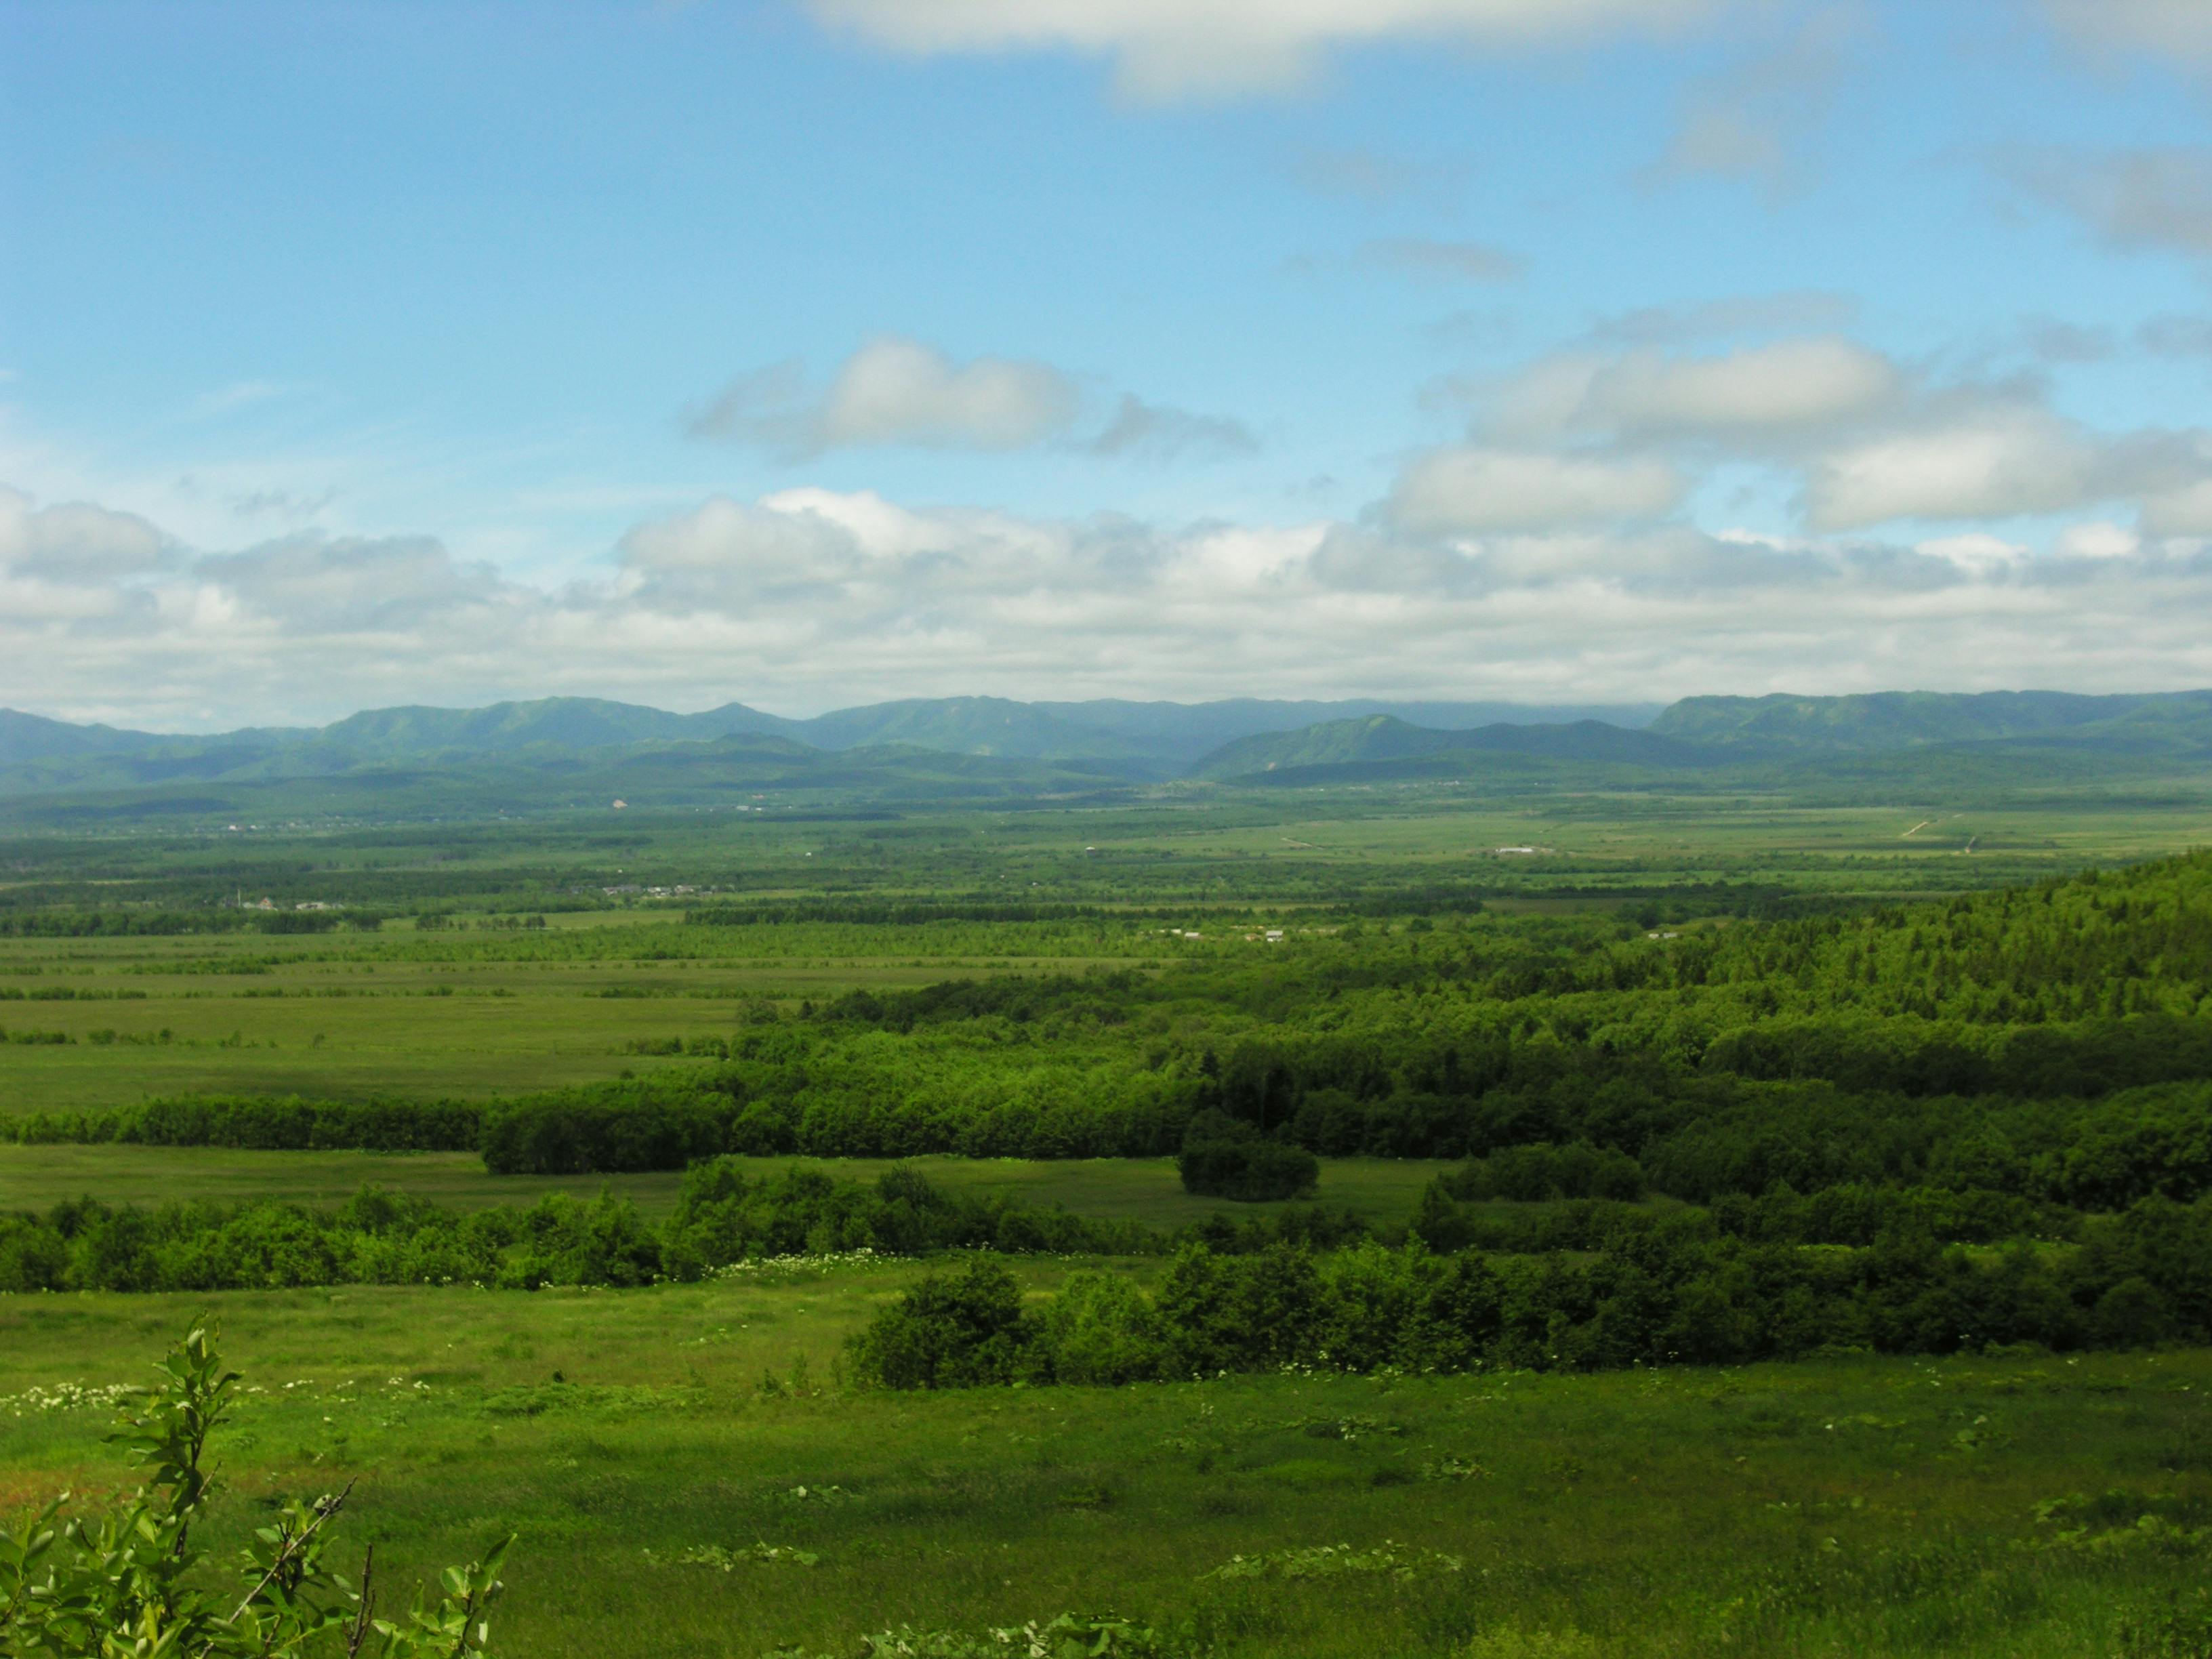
(814, 352)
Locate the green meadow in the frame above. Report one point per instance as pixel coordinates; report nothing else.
(1999, 1506)
(1144, 1189)
(2002, 1502)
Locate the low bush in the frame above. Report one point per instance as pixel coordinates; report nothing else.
(721, 1218)
(133, 1579)
(1218, 1162)
(1675, 1292)
(951, 1330)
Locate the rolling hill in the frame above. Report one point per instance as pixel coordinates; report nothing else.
(557, 753)
(1382, 743)
(2179, 721)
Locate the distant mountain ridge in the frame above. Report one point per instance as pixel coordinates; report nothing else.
(568, 752)
(1890, 734)
(1907, 720)
(1147, 739)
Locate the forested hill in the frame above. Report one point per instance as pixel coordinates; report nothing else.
(1149, 739)
(1915, 738)
(1381, 745)
(2181, 721)
(562, 753)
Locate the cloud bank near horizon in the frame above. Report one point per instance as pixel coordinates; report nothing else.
(810, 599)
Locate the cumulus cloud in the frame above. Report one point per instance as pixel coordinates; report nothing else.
(1996, 463)
(2097, 538)
(2134, 201)
(895, 391)
(1977, 453)
(1170, 49)
(1785, 387)
(75, 541)
(1530, 577)
(1857, 438)
(2182, 509)
(1975, 550)
(1477, 489)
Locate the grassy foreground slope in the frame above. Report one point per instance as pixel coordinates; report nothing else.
(1988, 1506)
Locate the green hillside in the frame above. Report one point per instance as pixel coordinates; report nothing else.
(1902, 720)
(1381, 745)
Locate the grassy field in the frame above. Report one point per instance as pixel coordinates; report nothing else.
(1383, 1190)
(1980, 1507)
(469, 1015)
(469, 1011)
(1852, 1507)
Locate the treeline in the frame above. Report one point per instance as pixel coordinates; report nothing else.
(264, 1123)
(1668, 1298)
(121, 924)
(1722, 1141)
(905, 913)
(382, 1237)
(1850, 1214)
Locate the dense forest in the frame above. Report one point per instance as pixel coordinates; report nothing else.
(2048, 1046)
(1984, 1120)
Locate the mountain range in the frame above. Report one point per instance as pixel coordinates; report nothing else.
(572, 750)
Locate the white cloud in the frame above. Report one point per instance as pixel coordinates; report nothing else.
(1478, 489)
(1976, 550)
(1993, 463)
(1785, 387)
(897, 390)
(1858, 438)
(812, 598)
(75, 542)
(2099, 538)
(2182, 510)
(351, 584)
(900, 391)
(1793, 384)
(1169, 49)
(1976, 454)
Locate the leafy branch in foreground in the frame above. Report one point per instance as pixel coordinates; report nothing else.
(130, 1581)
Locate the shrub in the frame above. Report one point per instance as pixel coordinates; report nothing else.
(574, 1131)
(1102, 1328)
(131, 1579)
(949, 1331)
(1250, 1171)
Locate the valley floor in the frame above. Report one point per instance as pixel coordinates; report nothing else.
(1985, 1506)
